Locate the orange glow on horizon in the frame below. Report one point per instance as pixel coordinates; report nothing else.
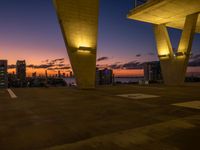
(117, 72)
(128, 72)
(40, 72)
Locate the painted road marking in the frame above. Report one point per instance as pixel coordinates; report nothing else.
(12, 94)
(138, 96)
(151, 87)
(192, 104)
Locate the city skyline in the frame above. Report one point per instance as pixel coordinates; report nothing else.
(122, 44)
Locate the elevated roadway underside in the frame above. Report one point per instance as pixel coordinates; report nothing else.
(169, 12)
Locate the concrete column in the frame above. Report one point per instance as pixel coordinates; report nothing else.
(174, 64)
(79, 24)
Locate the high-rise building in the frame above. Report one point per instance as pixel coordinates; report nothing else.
(46, 74)
(59, 74)
(152, 71)
(64, 75)
(3, 73)
(34, 74)
(21, 71)
(70, 74)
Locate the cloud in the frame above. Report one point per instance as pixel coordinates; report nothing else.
(195, 61)
(133, 65)
(60, 68)
(196, 57)
(54, 61)
(102, 59)
(11, 66)
(45, 61)
(60, 65)
(55, 64)
(129, 65)
(42, 66)
(138, 55)
(115, 66)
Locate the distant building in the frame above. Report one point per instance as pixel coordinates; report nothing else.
(12, 80)
(21, 71)
(34, 74)
(64, 75)
(59, 74)
(152, 71)
(104, 77)
(70, 74)
(3, 73)
(46, 74)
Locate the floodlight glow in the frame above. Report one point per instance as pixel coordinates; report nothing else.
(86, 50)
(182, 54)
(164, 56)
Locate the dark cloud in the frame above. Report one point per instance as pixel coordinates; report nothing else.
(138, 55)
(60, 65)
(129, 65)
(60, 68)
(59, 60)
(30, 66)
(45, 61)
(195, 61)
(11, 66)
(195, 57)
(43, 66)
(66, 67)
(55, 64)
(133, 65)
(54, 61)
(102, 58)
(115, 66)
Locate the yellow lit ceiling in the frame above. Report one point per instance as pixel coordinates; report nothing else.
(169, 12)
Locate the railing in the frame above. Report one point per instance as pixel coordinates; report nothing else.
(139, 2)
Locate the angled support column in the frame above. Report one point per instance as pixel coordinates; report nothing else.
(174, 64)
(79, 25)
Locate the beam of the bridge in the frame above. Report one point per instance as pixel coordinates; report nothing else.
(180, 14)
(174, 64)
(79, 24)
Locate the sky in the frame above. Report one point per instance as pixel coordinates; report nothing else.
(29, 30)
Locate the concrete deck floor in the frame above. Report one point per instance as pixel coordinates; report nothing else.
(70, 119)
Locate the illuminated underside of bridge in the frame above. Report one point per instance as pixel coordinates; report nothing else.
(180, 14)
(79, 24)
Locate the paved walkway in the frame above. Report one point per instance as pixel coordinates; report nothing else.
(61, 118)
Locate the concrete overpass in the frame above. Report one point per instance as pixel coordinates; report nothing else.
(179, 14)
(79, 24)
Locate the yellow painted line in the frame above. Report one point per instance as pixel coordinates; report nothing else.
(12, 94)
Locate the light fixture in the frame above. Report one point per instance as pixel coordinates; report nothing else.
(164, 56)
(85, 50)
(179, 54)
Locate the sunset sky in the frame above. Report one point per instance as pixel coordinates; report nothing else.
(29, 30)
